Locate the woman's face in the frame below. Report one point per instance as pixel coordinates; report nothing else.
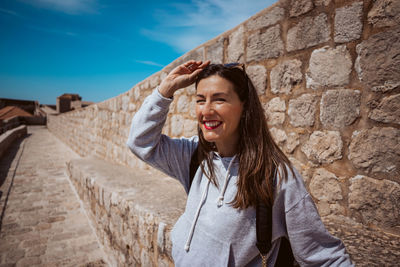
(218, 110)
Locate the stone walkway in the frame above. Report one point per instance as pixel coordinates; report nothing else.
(42, 220)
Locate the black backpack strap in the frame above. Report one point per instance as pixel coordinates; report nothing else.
(194, 165)
(263, 230)
(264, 236)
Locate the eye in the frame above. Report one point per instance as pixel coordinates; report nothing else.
(200, 100)
(220, 100)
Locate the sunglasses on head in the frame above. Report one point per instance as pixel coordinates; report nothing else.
(235, 65)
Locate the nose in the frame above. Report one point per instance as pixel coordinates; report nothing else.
(207, 109)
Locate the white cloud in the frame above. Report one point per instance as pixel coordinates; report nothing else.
(185, 26)
(72, 7)
(10, 12)
(151, 63)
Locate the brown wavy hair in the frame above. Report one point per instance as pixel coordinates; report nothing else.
(259, 156)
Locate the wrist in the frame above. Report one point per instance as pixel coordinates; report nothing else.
(165, 91)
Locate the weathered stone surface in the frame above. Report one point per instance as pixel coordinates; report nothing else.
(385, 13)
(265, 45)
(378, 63)
(325, 186)
(323, 147)
(154, 80)
(322, 2)
(340, 107)
(308, 32)
(377, 201)
(302, 110)
(258, 75)
(388, 110)
(278, 135)
(285, 76)
(190, 128)
(376, 150)
(329, 67)
(292, 142)
(275, 111)
(176, 125)
(299, 7)
(215, 52)
(348, 23)
(183, 104)
(270, 18)
(236, 46)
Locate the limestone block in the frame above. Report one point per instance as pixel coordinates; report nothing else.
(340, 107)
(190, 128)
(132, 107)
(137, 93)
(376, 150)
(385, 13)
(302, 110)
(388, 110)
(258, 75)
(192, 108)
(325, 186)
(270, 18)
(275, 111)
(285, 76)
(160, 237)
(322, 2)
(265, 45)
(376, 200)
(215, 51)
(163, 262)
(299, 7)
(378, 63)
(154, 80)
(145, 259)
(329, 67)
(308, 32)
(236, 46)
(292, 142)
(191, 90)
(278, 135)
(305, 170)
(182, 104)
(323, 147)
(197, 55)
(348, 23)
(176, 125)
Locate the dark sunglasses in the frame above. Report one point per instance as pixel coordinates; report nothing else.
(235, 65)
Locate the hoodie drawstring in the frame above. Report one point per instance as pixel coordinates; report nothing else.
(203, 200)
(220, 199)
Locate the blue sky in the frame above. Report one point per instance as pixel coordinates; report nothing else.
(101, 48)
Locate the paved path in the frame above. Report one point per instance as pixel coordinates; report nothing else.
(42, 221)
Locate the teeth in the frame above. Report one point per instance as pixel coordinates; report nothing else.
(212, 123)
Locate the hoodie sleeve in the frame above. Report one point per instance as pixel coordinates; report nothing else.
(169, 155)
(311, 243)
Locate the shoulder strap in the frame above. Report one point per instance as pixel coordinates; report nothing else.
(264, 236)
(194, 165)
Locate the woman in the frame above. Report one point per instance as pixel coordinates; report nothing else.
(240, 165)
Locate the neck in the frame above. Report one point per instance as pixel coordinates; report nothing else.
(227, 150)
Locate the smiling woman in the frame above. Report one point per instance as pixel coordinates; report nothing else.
(240, 177)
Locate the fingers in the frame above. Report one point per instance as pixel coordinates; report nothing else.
(195, 65)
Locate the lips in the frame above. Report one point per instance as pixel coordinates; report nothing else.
(211, 125)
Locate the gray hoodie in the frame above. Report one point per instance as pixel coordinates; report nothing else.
(212, 233)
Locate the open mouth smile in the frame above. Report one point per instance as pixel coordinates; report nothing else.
(211, 125)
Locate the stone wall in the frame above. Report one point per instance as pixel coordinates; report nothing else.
(328, 75)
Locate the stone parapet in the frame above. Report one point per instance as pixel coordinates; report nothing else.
(133, 210)
(7, 138)
(328, 76)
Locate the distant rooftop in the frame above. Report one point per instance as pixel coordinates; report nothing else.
(12, 111)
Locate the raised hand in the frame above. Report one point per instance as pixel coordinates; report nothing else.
(182, 76)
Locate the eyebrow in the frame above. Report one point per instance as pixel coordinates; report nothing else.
(214, 95)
